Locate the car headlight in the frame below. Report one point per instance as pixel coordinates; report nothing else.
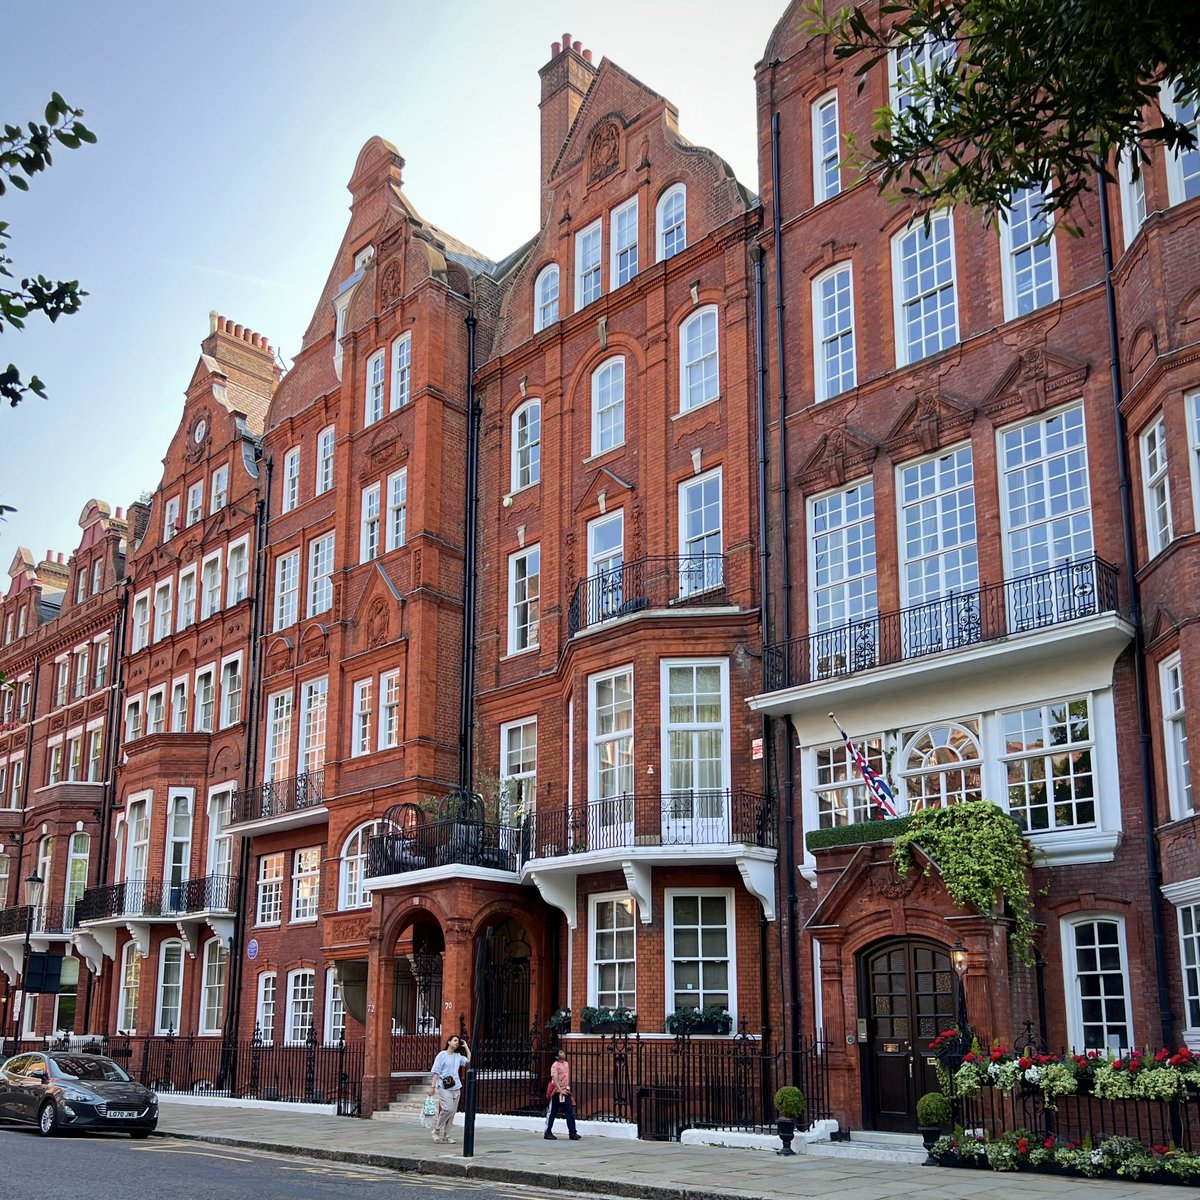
(153, 1099)
(75, 1096)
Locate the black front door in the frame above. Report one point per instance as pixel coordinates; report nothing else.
(909, 999)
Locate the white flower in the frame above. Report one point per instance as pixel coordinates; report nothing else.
(994, 1070)
(1033, 1074)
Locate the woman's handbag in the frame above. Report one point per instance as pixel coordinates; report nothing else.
(450, 1081)
(429, 1112)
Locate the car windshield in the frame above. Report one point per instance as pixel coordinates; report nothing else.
(88, 1067)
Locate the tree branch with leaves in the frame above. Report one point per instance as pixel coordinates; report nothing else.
(26, 152)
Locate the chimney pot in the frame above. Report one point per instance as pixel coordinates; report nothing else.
(555, 49)
(213, 318)
(587, 56)
(566, 41)
(237, 331)
(120, 514)
(577, 46)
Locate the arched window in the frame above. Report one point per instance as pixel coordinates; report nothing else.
(212, 999)
(351, 892)
(264, 1011)
(79, 849)
(942, 765)
(300, 1006)
(131, 982)
(671, 221)
(545, 297)
(527, 445)
(698, 361)
(608, 405)
(170, 988)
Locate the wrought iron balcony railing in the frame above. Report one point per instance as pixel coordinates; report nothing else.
(676, 579)
(138, 898)
(279, 797)
(46, 918)
(440, 843)
(1052, 597)
(683, 818)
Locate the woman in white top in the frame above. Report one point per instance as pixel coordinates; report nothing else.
(446, 1085)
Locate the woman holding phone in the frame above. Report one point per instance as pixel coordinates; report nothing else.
(446, 1085)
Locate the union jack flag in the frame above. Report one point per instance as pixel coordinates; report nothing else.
(877, 786)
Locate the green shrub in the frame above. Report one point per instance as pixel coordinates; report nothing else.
(856, 834)
(933, 1111)
(789, 1103)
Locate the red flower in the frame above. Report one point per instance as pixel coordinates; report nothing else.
(1022, 1145)
(1024, 1063)
(969, 1056)
(1048, 1144)
(1162, 1055)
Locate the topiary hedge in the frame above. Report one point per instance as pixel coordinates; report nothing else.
(855, 835)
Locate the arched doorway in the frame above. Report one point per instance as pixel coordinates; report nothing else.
(417, 998)
(505, 1015)
(907, 997)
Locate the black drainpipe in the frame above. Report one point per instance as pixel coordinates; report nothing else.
(760, 398)
(233, 1018)
(1149, 818)
(466, 747)
(116, 690)
(785, 619)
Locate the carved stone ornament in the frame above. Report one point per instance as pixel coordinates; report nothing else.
(389, 284)
(886, 882)
(351, 929)
(199, 437)
(604, 157)
(377, 623)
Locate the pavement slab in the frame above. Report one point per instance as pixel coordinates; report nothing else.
(639, 1170)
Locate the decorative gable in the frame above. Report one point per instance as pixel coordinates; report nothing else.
(839, 456)
(931, 419)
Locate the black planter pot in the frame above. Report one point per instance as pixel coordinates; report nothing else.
(929, 1136)
(720, 1028)
(608, 1026)
(787, 1131)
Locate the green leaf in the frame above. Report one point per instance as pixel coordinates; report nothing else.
(19, 183)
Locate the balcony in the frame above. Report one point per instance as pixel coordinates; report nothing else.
(137, 905)
(280, 804)
(639, 831)
(674, 581)
(1066, 612)
(47, 923)
(425, 847)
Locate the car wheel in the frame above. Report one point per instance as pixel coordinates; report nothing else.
(139, 1133)
(47, 1122)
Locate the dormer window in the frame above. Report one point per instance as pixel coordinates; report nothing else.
(545, 291)
(363, 257)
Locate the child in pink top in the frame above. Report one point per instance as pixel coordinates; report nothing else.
(560, 1078)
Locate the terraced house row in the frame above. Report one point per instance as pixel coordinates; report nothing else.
(479, 666)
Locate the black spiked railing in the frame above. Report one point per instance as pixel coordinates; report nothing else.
(158, 898)
(684, 580)
(279, 797)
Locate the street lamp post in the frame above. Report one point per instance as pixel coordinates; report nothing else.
(33, 898)
(958, 957)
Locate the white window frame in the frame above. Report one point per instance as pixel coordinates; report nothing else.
(924, 51)
(335, 1009)
(1133, 197)
(1175, 739)
(728, 894)
(665, 725)
(314, 724)
(204, 688)
(160, 1006)
(352, 868)
(100, 663)
(210, 585)
(129, 988)
(1191, 403)
(524, 600)
(218, 859)
(401, 371)
(326, 443)
(1189, 962)
(295, 982)
(195, 504)
(1177, 183)
(164, 609)
(526, 446)
(711, 573)
(320, 574)
(665, 201)
(265, 1001)
(906, 354)
(545, 302)
(828, 334)
(593, 983)
(133, 719)
(179, 712)
(518, 779)
(239, 578)
(825, 188)
(140, 637)
(846, 533)
(396, 526)
(1156, 486)
(231, 675)
(268, 892)
(156, 711)
(596, 739)
(375, 386)
(97, 576)
(370, 532)
(278, 759)
(1022, 210)
(189, 599)
(214, 986)
(1067, 926)
(219, 489)
(170, 518)
(362, 719)
(306, 903)
(611, 368)
(287, 590)
(341, 305)
(710, 389)
(593, 273)
(389, 710)
(290, 484)
(620, 273)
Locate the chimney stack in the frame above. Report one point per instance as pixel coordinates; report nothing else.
(565, 81)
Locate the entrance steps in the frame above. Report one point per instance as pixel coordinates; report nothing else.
(873, 1146)
(408, 1097)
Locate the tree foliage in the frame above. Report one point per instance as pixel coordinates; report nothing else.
(24, 153)
(1034, 94)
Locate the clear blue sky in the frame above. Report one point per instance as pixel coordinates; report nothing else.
(227, 131)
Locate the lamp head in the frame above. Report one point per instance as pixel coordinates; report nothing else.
(33, 889)
(958, 956)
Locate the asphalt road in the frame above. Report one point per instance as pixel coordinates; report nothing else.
(103, 1167)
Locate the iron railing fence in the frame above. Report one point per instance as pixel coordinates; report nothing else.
(439, 843)
(1052, 597)
(413, 1053)
(279, 797)
(680, 818)
(1074, 1116)
(158, 898)
(45, 918)
(308, 1072)
(663, 1085)
(672, 580)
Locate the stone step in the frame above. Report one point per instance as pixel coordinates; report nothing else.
(871, 1146)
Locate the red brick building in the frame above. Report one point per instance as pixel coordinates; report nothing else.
(959, 592)
(60, 626)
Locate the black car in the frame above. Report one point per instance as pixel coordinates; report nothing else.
(59, 1091)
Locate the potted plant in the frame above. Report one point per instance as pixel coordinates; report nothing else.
(608, 1020)
(789, 1103)
(560, 1022)
(712, 1018)
(933, 1115)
